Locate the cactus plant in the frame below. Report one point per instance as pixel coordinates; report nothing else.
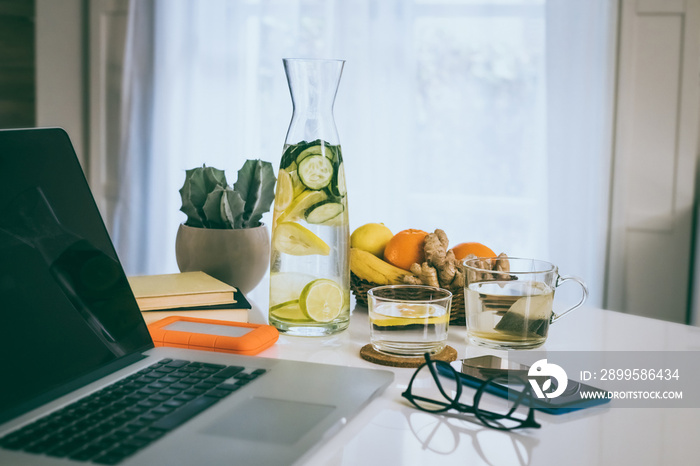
(209, 202)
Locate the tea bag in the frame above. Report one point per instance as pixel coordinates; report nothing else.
(528, 315)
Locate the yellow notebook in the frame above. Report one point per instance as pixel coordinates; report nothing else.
(231, 315)
(179, 290)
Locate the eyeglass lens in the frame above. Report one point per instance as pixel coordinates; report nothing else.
(503, 412)
(433, 393)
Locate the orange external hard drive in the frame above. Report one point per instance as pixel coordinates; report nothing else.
(213, 335)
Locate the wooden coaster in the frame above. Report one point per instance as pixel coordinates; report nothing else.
(370, 354)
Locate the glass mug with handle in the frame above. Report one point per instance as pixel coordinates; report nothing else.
(508, 301)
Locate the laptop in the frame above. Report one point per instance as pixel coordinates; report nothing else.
(81, 379)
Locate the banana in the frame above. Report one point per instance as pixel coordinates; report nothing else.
(369, 267)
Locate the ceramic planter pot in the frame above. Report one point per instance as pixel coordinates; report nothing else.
(237, 257)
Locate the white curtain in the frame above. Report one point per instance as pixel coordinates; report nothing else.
(487, 119)
(580, 96)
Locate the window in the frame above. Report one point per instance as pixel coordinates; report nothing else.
(445, 113)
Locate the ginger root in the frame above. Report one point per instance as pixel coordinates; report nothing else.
(435, 248)
(440, 268)
(502, 264)
(447, 272)
(497, 267)
(426, 274)
(458, 282)
(412, 280)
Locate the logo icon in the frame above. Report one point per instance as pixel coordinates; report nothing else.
(542, 369)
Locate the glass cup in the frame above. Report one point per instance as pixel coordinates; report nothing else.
(508, 301)
(408, 320)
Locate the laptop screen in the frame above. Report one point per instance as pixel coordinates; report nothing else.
(66, 308)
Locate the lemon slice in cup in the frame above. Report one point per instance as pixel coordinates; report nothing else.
(322, 300)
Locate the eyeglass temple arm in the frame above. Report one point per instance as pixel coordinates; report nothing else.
(530, 421)
(436, 377)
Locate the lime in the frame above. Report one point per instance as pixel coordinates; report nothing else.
(322, 300)
(287, 286)
(296, 240)
(285, 191)
(288, 310)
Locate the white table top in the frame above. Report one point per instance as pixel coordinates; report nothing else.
(389, 431)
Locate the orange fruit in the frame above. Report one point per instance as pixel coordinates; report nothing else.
(405, 248)
(462, 250)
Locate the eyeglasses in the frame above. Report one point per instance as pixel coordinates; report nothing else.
(507, 414)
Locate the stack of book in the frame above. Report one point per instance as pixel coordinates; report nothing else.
(188, 294)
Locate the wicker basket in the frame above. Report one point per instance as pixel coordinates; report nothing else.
(360, 288)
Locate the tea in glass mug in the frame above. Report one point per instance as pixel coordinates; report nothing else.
(508, 304)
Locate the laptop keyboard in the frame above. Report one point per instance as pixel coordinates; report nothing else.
(119, 420)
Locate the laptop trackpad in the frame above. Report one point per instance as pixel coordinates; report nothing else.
(269, 420)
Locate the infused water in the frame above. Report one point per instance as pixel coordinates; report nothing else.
(309, 261)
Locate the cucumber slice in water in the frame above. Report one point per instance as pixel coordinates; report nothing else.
(293, 151)
(290, 154)
(337, 187)
(323, 212)
(313, 150)
(315, 172)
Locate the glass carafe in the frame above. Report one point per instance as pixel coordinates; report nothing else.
(309, 260)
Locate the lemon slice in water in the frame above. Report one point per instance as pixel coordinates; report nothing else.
(296, 240)
(285, 191)
(287, 286)
(322, 300)
(289, 310)
(301, 203)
